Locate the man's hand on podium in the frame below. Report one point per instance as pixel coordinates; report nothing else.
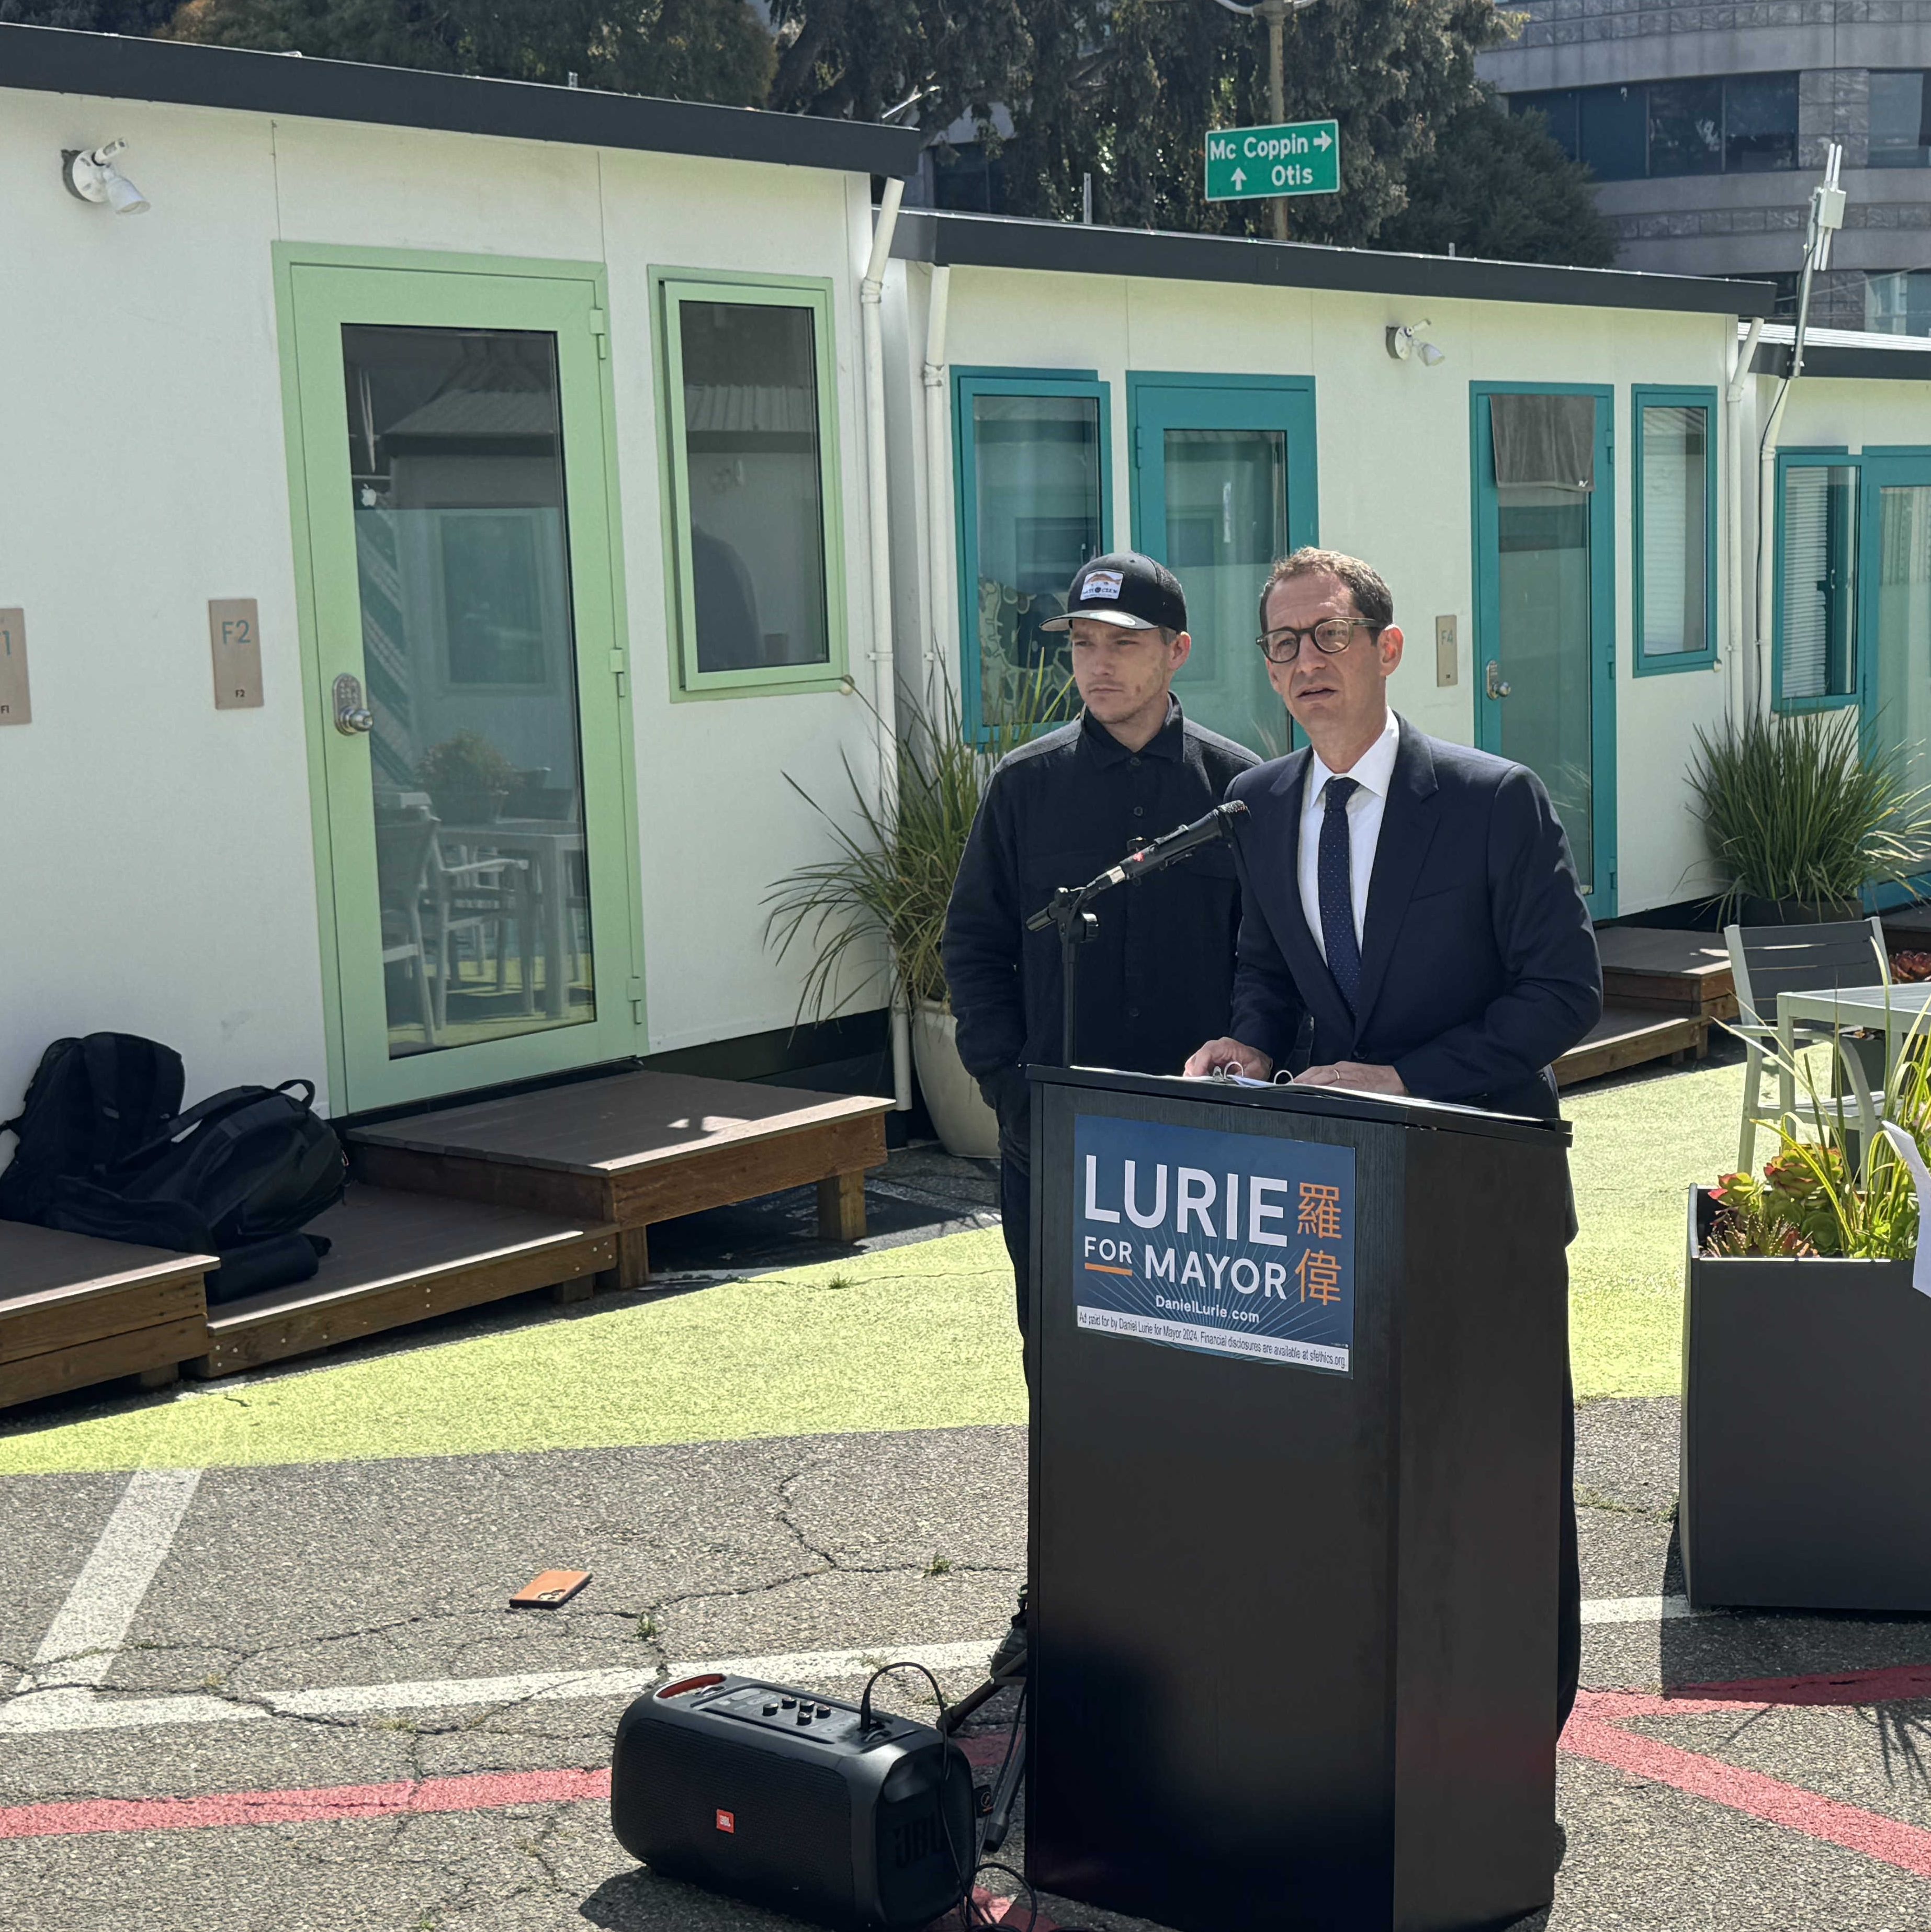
(1221, 1053)
(1358, 1074)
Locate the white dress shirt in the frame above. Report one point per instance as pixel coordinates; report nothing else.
(1373, 772)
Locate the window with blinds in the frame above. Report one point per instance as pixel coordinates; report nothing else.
(1675, 529)
(1818, 543)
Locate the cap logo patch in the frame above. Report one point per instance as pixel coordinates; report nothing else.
(1100, 583)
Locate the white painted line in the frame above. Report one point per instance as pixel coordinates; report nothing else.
(1638, 1609)
(89, 1628)
(61, 1705)
(71, 1710)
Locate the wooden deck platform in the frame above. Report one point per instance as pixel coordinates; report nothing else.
(75, 1311)
(1662, 990)
(633, 1148)
(1681, 972)
(1626, 1037)
(397, 1258)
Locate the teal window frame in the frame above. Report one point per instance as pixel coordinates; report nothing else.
(1484, 527)
(1822, 457)
(1647, 396)
(669, 288)
(969, 384)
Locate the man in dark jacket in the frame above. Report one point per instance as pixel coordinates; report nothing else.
(1156, 980)
(1057, 811)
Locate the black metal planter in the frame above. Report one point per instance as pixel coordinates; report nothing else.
(1806, 1477)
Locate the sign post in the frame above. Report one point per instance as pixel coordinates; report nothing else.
(1258, 163)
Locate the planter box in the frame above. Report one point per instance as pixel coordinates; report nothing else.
(1805, 1476)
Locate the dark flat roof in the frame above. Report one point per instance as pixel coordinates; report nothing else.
(1846, 352)
(51, 60)
(1003, 241)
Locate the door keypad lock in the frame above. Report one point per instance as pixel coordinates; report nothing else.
(352, 715)
(1496, 685)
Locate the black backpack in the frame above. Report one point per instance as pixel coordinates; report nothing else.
(91, 1103)
(237, 1175)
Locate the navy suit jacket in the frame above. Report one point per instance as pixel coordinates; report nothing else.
(1478, 960)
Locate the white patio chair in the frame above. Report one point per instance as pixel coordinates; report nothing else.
(1767, 961)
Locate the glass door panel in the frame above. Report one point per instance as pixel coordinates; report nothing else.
(475, 767)
(1545, 613)
(1542, 643)
(1224, 484)
(1899, 711)
(478, 898)
(1226, 522)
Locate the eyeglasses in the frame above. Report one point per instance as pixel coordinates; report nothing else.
(1331, 636)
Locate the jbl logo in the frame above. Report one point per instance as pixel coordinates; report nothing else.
(913, 1842)
(727, 1821)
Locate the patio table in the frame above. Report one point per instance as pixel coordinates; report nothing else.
(1890, 1011)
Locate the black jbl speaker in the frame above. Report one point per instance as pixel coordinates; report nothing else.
(778, 1795)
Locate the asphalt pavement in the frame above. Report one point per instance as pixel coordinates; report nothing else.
(292, 1695)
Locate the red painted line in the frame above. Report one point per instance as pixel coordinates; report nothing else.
(996, 1909)
(482, 1791)
(1593, 1732)
(1892, 1685)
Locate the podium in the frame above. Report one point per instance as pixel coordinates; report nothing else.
(1297, 1363)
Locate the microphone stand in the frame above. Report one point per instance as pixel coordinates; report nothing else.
(1067, 911)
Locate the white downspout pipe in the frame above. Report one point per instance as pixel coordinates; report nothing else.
(1737, 693)
(938, 452)
(885, 677)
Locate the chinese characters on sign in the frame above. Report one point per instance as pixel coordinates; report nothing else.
(1233, 1244)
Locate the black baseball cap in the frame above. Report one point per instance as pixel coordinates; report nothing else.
(1127, 589)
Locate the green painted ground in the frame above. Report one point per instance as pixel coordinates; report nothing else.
(1638, 1150)
(918, 1337)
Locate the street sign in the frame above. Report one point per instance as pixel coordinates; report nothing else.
(1251, 163)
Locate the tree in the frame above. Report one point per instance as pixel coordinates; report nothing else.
(686, 50)
(861, 58)
(1134, 112)
(1499, 186)
(92, 16)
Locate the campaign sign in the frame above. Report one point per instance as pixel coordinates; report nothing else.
(1235, 1244)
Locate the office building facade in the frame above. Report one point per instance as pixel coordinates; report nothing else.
(1706, 126)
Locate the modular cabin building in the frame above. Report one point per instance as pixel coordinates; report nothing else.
(1844, 486)
(433, 535)
(1534, 456)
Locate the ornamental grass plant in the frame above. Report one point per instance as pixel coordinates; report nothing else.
(1817, 1196)
(897, 851)
(1795, 809)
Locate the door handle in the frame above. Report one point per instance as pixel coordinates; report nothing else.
(1497, 686)
(352, 714)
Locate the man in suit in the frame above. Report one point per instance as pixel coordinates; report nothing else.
(1415, 899)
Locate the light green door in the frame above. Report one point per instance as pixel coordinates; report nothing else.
(465, 669)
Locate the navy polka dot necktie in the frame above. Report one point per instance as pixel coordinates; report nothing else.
(1334, 869)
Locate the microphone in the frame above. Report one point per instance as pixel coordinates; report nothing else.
(1218, 823)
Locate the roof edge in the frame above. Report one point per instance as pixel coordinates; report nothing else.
(1008, 242)
(57, 60)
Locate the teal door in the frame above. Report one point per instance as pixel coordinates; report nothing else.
(1894, 675)
(1223, 484)
(1544, 611)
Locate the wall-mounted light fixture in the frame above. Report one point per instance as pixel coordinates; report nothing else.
(90, 175)
(1403, 340)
